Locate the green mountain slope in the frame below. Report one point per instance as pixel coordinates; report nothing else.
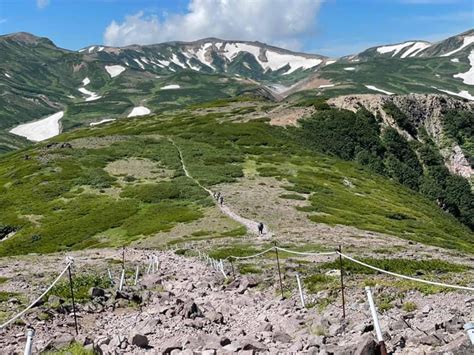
(113, 185)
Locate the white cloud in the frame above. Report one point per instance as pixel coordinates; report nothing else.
(280, 22)
(41, 4)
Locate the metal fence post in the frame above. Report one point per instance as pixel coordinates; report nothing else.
(72, 297)
(279, 271)
(29, 341)
(378, 331)
(136, 275)
(341, 268)
(469, 327)
(301, 290)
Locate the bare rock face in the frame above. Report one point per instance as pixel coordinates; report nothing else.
(423, 110)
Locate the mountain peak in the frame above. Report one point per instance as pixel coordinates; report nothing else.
(27, 38)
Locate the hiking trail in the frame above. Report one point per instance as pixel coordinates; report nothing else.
(251, 225)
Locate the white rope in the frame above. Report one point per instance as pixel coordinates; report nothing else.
(306, 253)
(250, 256)
(38, 299)
(404, 276)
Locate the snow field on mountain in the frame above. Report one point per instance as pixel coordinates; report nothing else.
(349, 68)
(396, 48)
(415, 49)
(139, 63)
(466, 42)
(468, 77)
(372, 87)
(170, 87)
(86, 81)
(139, 111)
(101, 121)
(40, 130)
(463, 93)
(92, 95)
(114, 70)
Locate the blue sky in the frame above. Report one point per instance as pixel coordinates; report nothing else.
(331, 27)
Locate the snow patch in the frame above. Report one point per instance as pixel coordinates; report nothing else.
(86, 81)
(139, 111)
(349, 68)
(92, 95)
(455, 60)
(330, 62)
(139, 63)
(188, 62)
(170, 87)
(371, 87)
(114, 70)
(8, 75)
(415, 49)
(91, 49)
(464, 94)
(71, 97)
(40, 130)
(325, 86)
(466, 41)
(101, 121)
(396, 48)
(176, 61)
(468, 77)
(201, 55)
(100, 49)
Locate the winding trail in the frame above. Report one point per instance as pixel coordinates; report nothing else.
(251, 225)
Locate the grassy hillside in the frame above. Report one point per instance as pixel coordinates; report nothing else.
(114, 184)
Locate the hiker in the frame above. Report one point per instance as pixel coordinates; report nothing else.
(221, 200)
(214, 194)
(218, 195)
(260, 228)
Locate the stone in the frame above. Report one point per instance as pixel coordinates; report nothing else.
(191, 310)
(139, 340)
(215, 317)
(366, 346)
(151, 280)
(96, 292)
(224, 341)
(148, 326)
(426, 309)
(60, 341)
(170, 345)
(281, 337)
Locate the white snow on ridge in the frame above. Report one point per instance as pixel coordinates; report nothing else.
(466, 41)
(139, 63)
(468, 77)
(188, 62)
(176, 61)
(349, 68)
(114, 70)
(8, 75)
(144, 60)
(86, 81)
(40, 130)
(330, 62)
(91, 49)
(325, 86)
(92, 95)
(172, 86)
(101, 49)
(101, 121)
(455, 60)
(464, 94)
(139, 111)
(274, 61)
(371, 87)
(415, 49)
(393, 48)
(201, 54)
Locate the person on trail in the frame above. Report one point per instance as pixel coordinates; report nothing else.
(260, 228)
(218, 195)
(221, 200)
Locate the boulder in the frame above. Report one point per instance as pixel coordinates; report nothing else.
(281, 337)
(191, 310)
(366, 346)
(139, 340)
(96, 292)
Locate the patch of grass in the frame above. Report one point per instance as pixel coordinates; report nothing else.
(73, 349)
(5, 296)
(81, 285)
(3, 279)
(402, 266)
(250, 269)
(409, 306)
(317, 282)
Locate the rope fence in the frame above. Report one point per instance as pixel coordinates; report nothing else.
(39, 298)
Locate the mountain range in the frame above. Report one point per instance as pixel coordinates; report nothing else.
(98, 83)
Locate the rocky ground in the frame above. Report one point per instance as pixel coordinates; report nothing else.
(186, 307)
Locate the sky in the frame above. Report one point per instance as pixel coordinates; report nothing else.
(328, 27)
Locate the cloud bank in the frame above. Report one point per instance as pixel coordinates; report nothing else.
(279, 22)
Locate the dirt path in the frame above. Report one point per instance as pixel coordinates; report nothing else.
(251, 225)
